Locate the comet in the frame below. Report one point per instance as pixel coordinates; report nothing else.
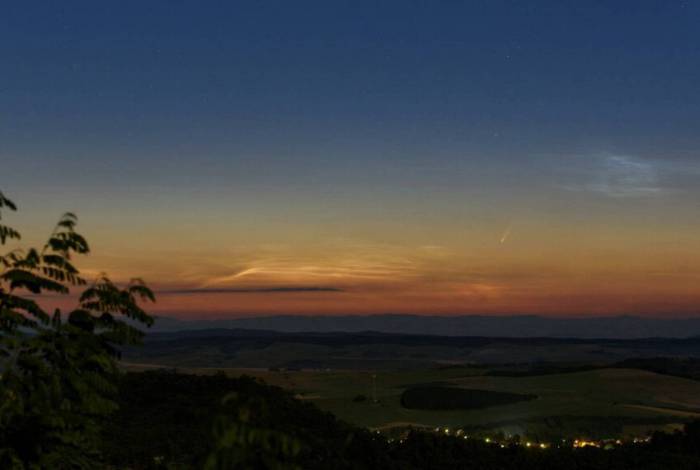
(506, 234)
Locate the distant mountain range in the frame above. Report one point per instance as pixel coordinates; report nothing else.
(622, 327)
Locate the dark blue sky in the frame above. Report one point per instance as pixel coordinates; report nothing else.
(495, 76)
(379, 124)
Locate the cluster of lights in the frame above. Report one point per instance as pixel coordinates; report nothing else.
(488, 440)
(577, 443)
(584, 443)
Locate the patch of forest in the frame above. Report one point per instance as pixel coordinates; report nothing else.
(685, 367)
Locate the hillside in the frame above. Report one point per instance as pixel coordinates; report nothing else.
(371, 350)
(167, 420)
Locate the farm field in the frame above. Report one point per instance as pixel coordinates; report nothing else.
(602, 403)
(373, 351)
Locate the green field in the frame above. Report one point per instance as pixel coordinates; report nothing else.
(449, 397)
(598, 403)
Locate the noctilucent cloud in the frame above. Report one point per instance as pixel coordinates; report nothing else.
(439, 157)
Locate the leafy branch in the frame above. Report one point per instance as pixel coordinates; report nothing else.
(59, 377)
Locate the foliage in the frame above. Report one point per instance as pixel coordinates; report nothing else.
(168, 417)
(58, 375)
(241, 445)
(683, 442)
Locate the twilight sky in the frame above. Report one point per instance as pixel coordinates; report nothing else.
(365, 157)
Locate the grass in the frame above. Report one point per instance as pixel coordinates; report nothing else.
(432, 397)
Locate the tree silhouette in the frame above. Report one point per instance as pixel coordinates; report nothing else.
(59, 376)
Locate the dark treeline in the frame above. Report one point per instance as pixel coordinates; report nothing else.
(686, 367)
(172, 420)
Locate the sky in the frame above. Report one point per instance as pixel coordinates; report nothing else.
(444, 157)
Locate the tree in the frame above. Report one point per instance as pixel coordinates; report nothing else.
(59, 375)
(241, 443)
